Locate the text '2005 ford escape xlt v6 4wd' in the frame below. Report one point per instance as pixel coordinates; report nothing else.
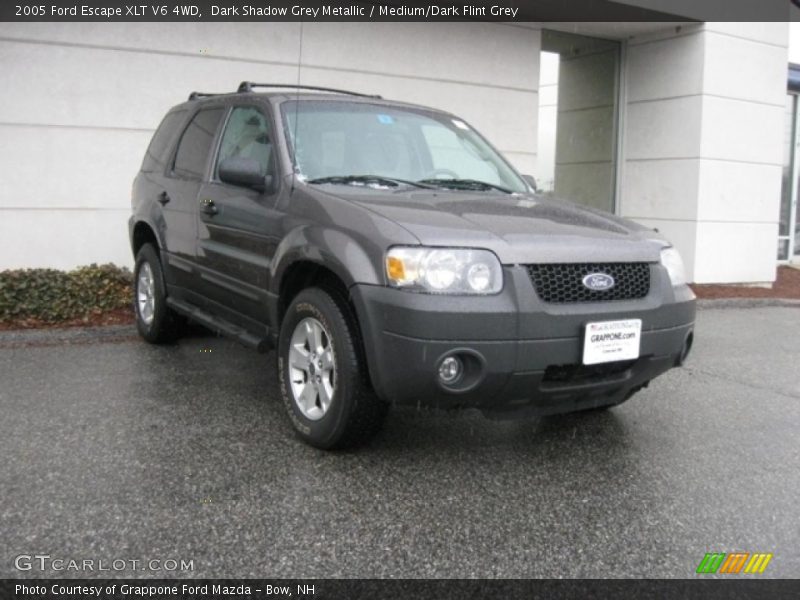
(390, 255)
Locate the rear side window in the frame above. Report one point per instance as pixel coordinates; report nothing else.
(155, 159)
(195, 145)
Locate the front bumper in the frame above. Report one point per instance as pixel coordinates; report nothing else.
(522, 355)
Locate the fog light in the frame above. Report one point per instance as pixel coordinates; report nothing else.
(450, 369)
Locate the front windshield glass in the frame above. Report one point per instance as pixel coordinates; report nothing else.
(332, 139)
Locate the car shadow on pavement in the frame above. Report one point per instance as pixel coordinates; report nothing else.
(433, 430)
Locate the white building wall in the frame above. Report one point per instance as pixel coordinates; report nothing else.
(661, 164)
(702, 153)
(81, 102)
(740, 178)
(702, 118)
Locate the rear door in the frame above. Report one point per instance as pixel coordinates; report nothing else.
(152, 181)
(187, 170)
(239, 226)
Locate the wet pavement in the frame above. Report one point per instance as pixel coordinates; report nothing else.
(116, 450)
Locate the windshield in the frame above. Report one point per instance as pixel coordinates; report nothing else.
(341, 142)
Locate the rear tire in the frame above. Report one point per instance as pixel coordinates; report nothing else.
(322, 372)
(156, 322)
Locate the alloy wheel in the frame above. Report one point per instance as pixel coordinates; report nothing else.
(145, 293)
(312, 370)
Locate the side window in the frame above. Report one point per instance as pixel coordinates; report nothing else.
(247, 135)
(155, 159)
(195, 144)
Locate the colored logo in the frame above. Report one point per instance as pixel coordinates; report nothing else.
(598, 282)
(734, 562)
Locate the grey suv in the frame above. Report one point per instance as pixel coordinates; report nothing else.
(391, 255)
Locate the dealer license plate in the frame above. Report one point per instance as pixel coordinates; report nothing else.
(609, 341)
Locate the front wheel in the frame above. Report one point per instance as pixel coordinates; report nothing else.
(323, 378)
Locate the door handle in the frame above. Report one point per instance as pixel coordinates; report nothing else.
(208, 207)
(163, 198)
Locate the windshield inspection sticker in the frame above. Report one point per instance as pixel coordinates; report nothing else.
(385, 119)
(460, 124)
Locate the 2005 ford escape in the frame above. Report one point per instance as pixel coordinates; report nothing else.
(390, 255)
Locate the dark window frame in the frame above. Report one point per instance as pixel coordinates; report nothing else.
(160, 166)
(214, 142)
(267, 113)
(272, 168)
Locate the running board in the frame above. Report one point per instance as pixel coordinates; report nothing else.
(226, 328)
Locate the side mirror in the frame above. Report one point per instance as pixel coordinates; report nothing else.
(245, 172)
(531, 180)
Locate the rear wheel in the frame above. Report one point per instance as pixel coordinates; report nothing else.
(156, 322)
(324, 382)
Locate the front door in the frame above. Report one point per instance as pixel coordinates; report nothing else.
(238, 226)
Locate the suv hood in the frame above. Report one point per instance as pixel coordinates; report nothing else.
(518, 228)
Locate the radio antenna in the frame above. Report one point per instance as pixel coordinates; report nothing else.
(295, 166)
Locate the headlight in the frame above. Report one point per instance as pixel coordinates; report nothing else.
(671, 260)
(444, 270)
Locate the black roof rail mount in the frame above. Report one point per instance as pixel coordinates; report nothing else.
(247, 86)
(198, 95)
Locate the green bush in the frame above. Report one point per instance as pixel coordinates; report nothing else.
(52, 296)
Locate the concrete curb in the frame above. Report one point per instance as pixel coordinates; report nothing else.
(67, 335)
(746, 302)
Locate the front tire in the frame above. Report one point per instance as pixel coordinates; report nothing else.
(155, 321)
(324, 383)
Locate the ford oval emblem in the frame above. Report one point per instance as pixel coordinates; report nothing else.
(598, 282)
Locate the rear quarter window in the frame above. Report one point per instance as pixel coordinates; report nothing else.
(157, 154)
(191, 156)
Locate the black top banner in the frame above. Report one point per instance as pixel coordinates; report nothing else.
(398, 10)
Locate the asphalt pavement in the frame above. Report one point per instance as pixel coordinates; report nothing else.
(113, 450)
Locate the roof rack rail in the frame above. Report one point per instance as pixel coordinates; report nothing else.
(197, 95)
(247, 86)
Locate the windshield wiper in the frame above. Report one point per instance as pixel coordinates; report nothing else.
(366, 180)
(465, 184)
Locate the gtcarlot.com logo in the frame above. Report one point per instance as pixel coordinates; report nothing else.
(45, 562)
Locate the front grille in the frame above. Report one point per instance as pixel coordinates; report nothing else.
(564, 282)
(585, 373)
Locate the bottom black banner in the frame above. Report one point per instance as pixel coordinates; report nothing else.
(393, 589)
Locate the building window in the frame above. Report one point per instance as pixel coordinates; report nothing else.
(788, 231)
(578, 116)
